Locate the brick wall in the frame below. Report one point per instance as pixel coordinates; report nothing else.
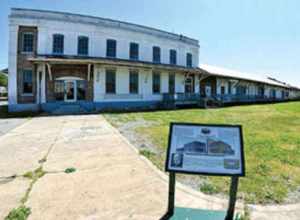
(23, 63)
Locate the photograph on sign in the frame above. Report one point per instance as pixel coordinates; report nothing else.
(205, 149)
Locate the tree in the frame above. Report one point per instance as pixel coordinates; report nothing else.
(3, 79)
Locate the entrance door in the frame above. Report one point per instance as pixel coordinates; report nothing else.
(70, 90)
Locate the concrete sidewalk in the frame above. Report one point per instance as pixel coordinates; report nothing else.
(112, 181)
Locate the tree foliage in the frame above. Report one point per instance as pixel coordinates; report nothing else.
(3, 79)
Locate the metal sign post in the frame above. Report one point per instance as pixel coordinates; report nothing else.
(171, 197)
(205, 149)
(232, 197)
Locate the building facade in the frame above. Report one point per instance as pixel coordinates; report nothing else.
(62, 60)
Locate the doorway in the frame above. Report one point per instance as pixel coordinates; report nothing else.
(70, 90)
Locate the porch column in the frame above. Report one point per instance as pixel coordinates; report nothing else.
(38, 87)
(43, 84)
(197, 84)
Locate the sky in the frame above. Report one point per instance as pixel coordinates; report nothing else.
(255, 36)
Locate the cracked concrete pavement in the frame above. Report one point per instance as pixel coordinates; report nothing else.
(112, 181)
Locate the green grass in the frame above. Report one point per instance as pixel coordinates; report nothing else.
(272, 145)
(20, 213)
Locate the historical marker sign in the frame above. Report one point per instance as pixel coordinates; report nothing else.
(205, 149)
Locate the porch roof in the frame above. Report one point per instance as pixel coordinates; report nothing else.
(66, 59)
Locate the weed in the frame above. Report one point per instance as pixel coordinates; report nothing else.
(147, 153)
(208, 188)
(20, 213)
(70, 170)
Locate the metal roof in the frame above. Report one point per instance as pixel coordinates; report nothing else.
(223, 72)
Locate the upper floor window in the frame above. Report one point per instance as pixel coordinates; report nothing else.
(83, 45)
(189, 60)
(110, 83)
(111, 48)
(173, 58)
(133, 82)
(156, 82)
(27, 42)
(134, 51)
(58, 43)
(27, 81)
(156, 54)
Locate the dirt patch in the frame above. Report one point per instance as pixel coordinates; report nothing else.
(140, 141)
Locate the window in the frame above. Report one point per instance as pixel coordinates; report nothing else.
(58, 43)
(134, 51)
(241, 90)
(111, 48)
(273, 93)
(261, 91)
(171, 83)
(229, 87)
(222, 90)
(189, 84)
(156, 83)
(189, 60)
(133, 82)
(156, 55)
(282, 94)
(27, 42)
(83, 45)
(173, 57)
(110, 81)
(27, 82)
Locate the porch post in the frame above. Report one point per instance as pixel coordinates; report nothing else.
(38, 86)
(197, 84)
(43, 84)
(49, 71)
(89, 72)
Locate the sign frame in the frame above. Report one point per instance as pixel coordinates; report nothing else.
(242, 156)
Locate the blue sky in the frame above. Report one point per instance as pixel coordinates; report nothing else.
(259, 36)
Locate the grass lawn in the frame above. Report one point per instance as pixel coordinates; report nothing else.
(272, 146)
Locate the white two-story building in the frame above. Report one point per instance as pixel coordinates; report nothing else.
(59, 58)
(62, 60)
